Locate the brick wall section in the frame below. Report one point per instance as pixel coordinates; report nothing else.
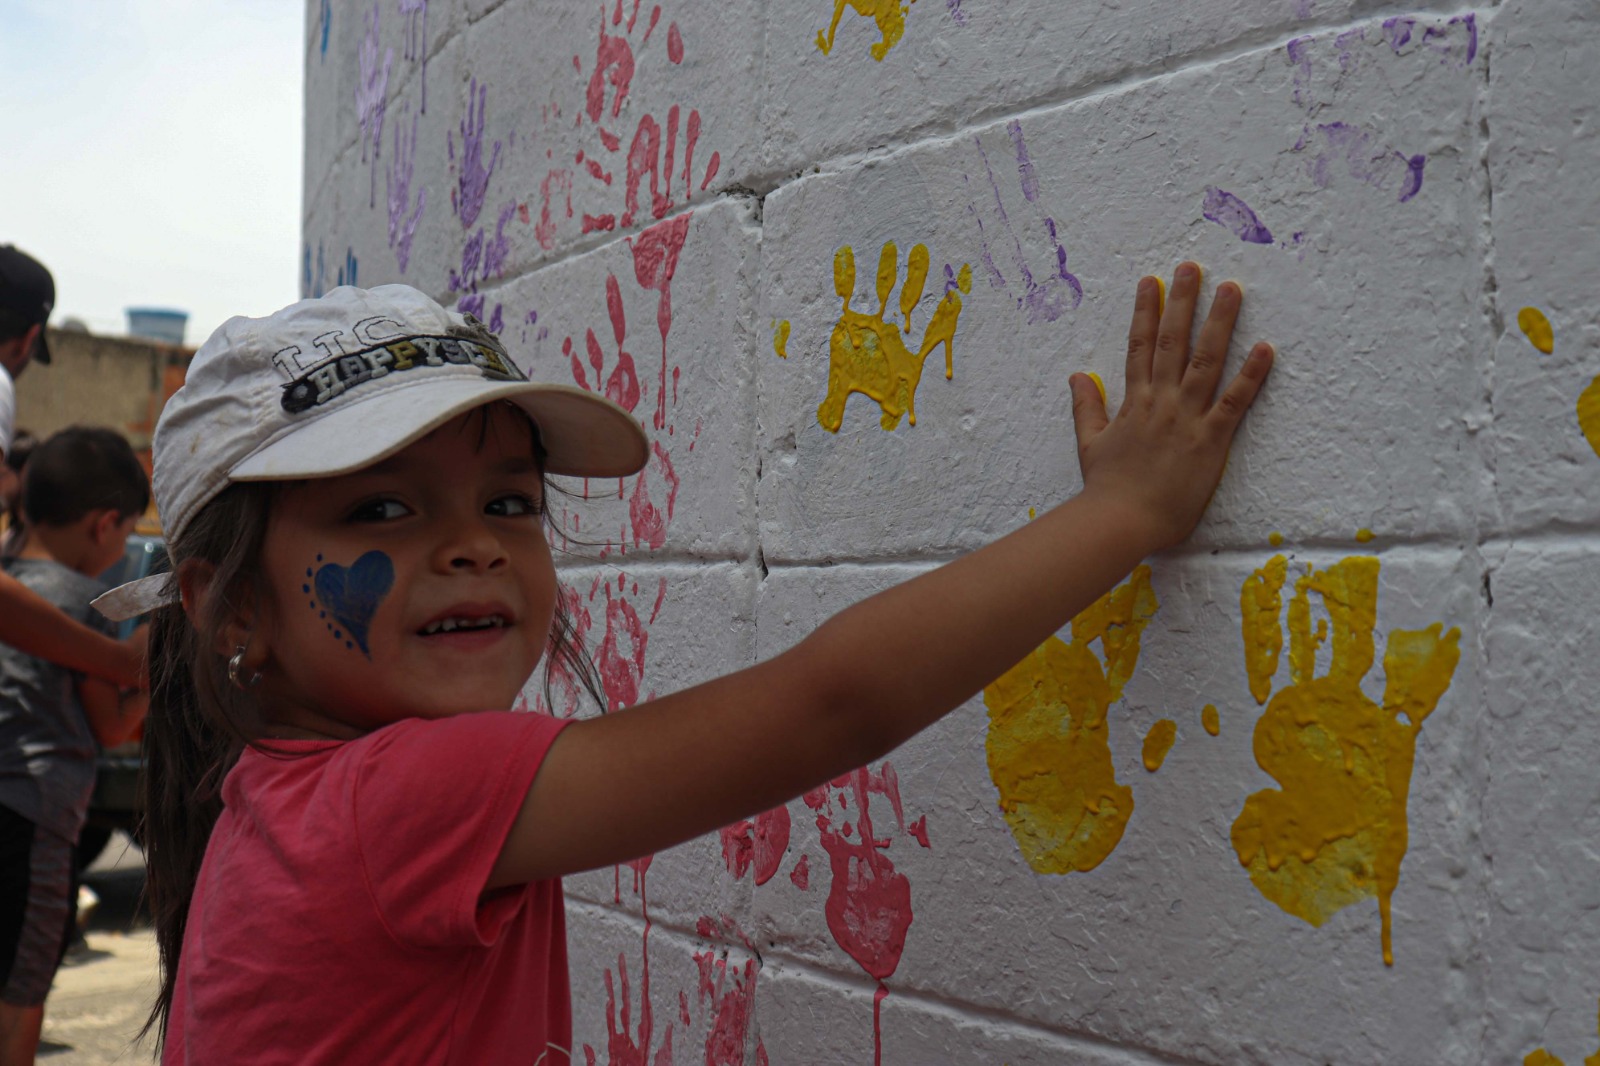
(651, 197)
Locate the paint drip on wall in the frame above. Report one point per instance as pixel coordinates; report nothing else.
(416, 16)
(1049, 746)
(889, 15)
(866, 353)
(1335, 831)
(371, 99)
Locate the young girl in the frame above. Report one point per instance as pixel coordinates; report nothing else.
(355, 851)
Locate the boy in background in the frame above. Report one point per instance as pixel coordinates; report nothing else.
(83, 491)
(27, 295)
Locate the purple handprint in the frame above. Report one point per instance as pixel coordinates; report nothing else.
(481, 261)
(472, 179)
(1363, 151)
(1358, 152)
(398, 187)
(1046, 300)
(1438, 39)
(495, 252)
(471, 259)
(371, 88)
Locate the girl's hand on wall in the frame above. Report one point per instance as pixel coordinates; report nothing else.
(631, 783)
(1160, 459)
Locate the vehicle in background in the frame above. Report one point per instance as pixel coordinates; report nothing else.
(118, 800)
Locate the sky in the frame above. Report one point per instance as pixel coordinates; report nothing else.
(153, 153)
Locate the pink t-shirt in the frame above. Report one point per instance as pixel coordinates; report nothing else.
(338, 916)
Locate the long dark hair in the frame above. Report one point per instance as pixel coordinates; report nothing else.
(199, 723)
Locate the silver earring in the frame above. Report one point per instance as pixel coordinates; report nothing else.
(234, 665)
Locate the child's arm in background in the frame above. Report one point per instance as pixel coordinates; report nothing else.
(33, 625)
(114, 714)
(623, 785)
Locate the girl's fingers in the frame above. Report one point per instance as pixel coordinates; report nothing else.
(1088, 408)
(1142, 333)
(1241, 391)
(1204, 370)
(1177, 321)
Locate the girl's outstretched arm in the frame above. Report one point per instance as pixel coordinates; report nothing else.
(627, 784)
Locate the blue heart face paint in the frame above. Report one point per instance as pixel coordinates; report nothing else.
(350, 595)
(360, 565)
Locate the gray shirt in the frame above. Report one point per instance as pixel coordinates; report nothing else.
(47, 750)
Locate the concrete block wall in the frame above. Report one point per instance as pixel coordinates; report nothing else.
(1351, 718)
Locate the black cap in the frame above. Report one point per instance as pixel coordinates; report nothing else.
(28, 290)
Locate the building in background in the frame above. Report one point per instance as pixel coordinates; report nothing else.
(120, 382)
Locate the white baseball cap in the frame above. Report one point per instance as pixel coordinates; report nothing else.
(335, 384)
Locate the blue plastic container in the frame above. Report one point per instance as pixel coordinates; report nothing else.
(157, 324)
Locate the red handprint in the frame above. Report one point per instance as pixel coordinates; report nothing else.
(622, 386)
(869, 901)
(613, 71)
(761, 843)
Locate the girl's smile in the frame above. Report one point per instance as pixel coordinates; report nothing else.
(421, 586)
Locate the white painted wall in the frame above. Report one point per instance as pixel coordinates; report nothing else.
(1391, 187)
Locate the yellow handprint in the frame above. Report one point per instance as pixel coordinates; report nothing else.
(888, 14)
(1049, 749)
(1335, 832)
(866, 353)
